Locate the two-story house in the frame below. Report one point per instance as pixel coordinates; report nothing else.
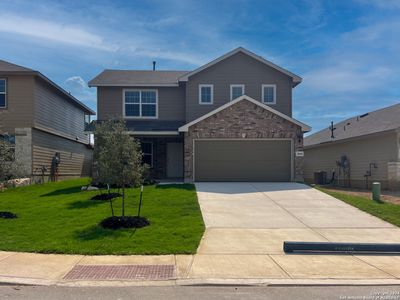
(42, 119)
(229, 120)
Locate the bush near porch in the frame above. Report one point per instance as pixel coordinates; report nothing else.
(60, 218)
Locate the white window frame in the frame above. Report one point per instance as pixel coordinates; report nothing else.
(236, 85)
(140, 103)
(4, 93)
(262, 93)
(212, 94)
(152, 152)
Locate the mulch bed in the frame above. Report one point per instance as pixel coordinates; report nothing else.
(106, 196)
(124, 222)
(7, 215)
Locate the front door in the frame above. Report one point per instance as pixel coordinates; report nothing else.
(174, 160)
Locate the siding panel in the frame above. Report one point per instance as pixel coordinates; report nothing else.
(19, 103)
(237, 69)
(171, 102)
(54, 111)
(379, 149)
(76, 158)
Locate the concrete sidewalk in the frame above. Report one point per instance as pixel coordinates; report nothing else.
(279, 269)
(51, 269)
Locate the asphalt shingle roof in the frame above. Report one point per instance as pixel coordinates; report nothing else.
(136, 77)
(5, 66)
(380, 120)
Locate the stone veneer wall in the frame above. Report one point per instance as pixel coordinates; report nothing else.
(244, 120)
(23, 150)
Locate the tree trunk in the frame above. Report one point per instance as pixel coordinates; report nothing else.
(111, 204)
(140, 201)
(123, 200)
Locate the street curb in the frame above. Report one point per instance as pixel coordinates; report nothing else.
(4, 280)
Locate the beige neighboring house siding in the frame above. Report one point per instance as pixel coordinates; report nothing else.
(237, 69)
(171, 102)
(76, 158)
(379, 148)
(18, 112)
(56, 113)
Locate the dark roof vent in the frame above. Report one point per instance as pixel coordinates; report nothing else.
(332, 129)
(154, 65)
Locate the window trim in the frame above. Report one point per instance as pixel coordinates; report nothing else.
(5, 93)
(140, 103)
(212, 94)
(262, 93)
(152, 152)
(236, 85)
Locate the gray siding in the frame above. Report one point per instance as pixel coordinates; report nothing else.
(379, 149)
(76, 158)
(171, 102)
(237, 69)
(55, 112)
(18, 112)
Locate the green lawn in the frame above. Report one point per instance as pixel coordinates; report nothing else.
(383, 210)
(60, 218)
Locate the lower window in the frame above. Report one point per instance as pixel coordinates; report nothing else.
(147, 151)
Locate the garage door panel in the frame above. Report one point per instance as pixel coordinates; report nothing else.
(238, 160)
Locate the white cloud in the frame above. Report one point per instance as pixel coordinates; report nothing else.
(192, 59)
(53, 32)
(79, 88)
(384, 4)
(346, 78)
(76, 81)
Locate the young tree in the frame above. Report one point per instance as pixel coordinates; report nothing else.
(118, 157)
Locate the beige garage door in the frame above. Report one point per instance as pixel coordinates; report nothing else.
(242, 160)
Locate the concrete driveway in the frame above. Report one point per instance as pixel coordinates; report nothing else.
(246, 224)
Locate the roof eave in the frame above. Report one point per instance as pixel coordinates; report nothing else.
(90, 84)
(347, 139)
(296, 79)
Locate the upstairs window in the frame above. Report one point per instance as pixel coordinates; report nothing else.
(147, 151)
(140, 103)
(3, 93)
(237, 90)
(268, 93)
(206, 94)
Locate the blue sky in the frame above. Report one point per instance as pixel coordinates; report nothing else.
(348, 52)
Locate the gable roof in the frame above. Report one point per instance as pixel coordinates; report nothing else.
(380, 120)
(296, 79)
(136, 78)
(303, 126)
(10, 68)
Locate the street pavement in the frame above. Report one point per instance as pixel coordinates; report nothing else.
(200, 292)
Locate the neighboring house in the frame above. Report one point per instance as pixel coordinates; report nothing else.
(371, 142)
(229, 120)
(42, 119)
